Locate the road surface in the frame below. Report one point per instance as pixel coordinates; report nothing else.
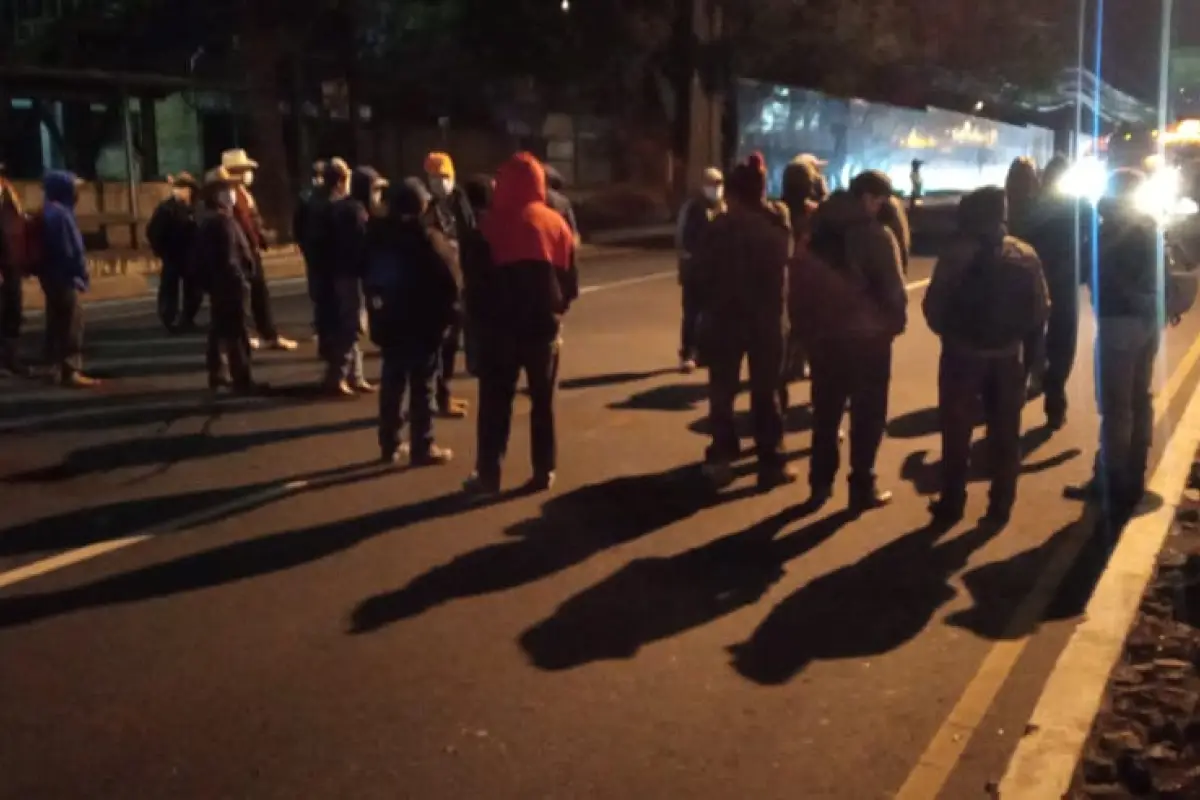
(228, 599)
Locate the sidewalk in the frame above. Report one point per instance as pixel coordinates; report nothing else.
(128, 277)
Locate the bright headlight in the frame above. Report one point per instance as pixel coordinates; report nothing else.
(1087, 178)
(1159, 195)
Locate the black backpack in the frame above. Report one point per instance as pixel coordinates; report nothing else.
(982, 313)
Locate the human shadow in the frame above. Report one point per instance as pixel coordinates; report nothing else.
(915, 424)
(612, 379)
(864, 609)
(226, 564)
(165, 513)
(926, 476)
(671, 397)
(154, 451)
(652, 599)
(571, 528)
(798, 419)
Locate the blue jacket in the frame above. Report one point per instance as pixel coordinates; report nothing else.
(65, 264)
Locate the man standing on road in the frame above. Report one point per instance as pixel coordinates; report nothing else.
(1124, 289)
(695, 219)
(556, 198)
(451, 213)
(13, 248)
(64, 277)
(528, 285)
(743, 274)
(851, 301)
(172, 235)
(987, 293)
(311, 199)
(241, 166)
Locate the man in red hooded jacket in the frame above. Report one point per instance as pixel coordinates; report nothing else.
(527, 284)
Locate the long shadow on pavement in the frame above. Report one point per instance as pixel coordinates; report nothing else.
(167, 450)
(229, 563)
(612, 379)
(867, 608)
(571, 528)
(652, 599)
(926, 476)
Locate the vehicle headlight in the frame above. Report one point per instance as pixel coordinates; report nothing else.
(1159, 195)
(1087, 178)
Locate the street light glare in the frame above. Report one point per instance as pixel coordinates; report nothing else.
(566, 6)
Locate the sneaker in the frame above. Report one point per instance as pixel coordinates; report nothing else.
(478, 488)
(861, 501)
(433, 457)
(339, 389)
(255, 343)
(540, 482)
(392, 455)
(773, 477)
(363, 387)
(687, 366)
(283, 343)
(455, 409)
(77, 380)
(719, 473)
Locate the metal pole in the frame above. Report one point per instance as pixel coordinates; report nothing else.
(1075, 154)
(127, 126)
(1164, 71)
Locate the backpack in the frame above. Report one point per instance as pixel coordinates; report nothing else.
(982, 313)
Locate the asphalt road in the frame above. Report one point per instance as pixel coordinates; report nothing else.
(226, 599)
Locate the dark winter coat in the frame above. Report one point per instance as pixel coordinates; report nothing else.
(1127, 274)
(349, 217)
(172, 230)
(452, 215)
(695, 219)
(224, 261)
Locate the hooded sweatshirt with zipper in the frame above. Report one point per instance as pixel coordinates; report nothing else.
(531, 279)
(65, 264)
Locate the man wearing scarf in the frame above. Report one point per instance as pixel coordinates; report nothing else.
(528, 285)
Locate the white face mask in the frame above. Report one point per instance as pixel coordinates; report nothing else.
(377, 198)
(443, 186)
(714, 193)
(248, 177)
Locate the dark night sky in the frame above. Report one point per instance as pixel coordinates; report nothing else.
(1131, 50)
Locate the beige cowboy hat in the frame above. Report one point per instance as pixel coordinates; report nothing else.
(237, 161)
(219, 176)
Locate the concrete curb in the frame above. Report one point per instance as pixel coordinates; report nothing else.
(1043, 766)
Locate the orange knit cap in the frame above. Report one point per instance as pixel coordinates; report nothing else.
(439, 164)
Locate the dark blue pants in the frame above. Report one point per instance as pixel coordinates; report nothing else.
(411, 371)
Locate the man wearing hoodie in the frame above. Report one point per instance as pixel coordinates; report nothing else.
(695, 219)
(450, 212)
(851, 303)
(743, 272)
(986, 295)
(529, 284)
(64, 277)
(349, 217)
(412, 288)
(1125, 298)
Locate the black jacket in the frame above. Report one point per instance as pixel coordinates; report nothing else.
(452, 216)
(1127, 272)
(222, 259)
(172, 230)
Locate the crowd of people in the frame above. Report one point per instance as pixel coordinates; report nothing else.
(813, 286)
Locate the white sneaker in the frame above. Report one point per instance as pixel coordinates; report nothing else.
(283, 343)
(255, 343)
(687, 366)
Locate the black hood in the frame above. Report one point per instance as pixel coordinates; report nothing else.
(362, 180)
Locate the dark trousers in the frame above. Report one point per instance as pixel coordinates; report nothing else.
(409, 371)
(338, 344)
(260, 306)
(12, 301)
(1062, 337)
(502, 359)
(447, 358)
(765, 355)
(64, 330)
(228, 340)
(965, 381)
(689, 331)
(1125, 352)
(172, 283)
(858, 373)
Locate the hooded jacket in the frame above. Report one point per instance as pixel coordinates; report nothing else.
(65, 264)
(850, 283)
(531, 279)
(1125, 283)
(557, 199)
(1020, 288)
(412, 282)
(172, 230)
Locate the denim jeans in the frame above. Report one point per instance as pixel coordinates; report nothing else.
(1126, 348)
(406, 371)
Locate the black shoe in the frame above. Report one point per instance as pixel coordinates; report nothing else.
(541, 482)
(820, 495)
(997, 515)
(948, 512)
(1057, 421)
(864, 500)
(477, 487)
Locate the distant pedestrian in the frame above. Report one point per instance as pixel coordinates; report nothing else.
(473, 258)
(987, 293)
(312, 199)
(1125, 299)
(324, 263)
(695, 220)
(803, 192)
(1022, 187)
(556, 198)
(412, 289)
(529, 284)
(743, 274)
(14, 231)
(917, 182)
(224, 262)
(851, 303)
(64, 277)
(172, 236)
(451, 213)
(350, 214)
(242, 167)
